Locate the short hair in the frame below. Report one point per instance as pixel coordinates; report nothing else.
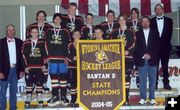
(12, 26)
(159, 4)
(73, 4)
(33, 27)
(136, 10)
(98, 27)
(57, 15)
(147, 17)
(121, 16)
(41, 11)
(110, 11)
(76, 30)
(90, 14)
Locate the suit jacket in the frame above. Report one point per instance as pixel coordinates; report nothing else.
(4, 57)
(165, 38)
(151, 48)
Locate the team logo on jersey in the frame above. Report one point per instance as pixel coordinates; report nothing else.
(71, 26)
(101, 57)
(108, 32)
(56, 39)
(35, 53)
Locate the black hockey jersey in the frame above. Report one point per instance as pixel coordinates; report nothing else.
(86, 34)
(34, 56)
(107, 30)
(77, 25)
(71, 54)
(57, 46)
(135, 26)
(42, 34)
(130, 40)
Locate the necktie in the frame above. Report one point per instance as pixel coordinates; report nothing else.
(160, 18)
(10, 40)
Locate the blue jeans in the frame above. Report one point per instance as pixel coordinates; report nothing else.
(144, 72)
(12, 80)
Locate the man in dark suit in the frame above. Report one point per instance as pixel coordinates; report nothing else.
(10, 67)
(164, 26)
(146, 58)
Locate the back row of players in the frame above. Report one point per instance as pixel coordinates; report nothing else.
(54, 47)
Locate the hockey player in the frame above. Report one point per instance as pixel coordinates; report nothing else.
(34, 55)
(109, 25)
(134, 22)
(72, 67)
(98, 32)
(42, 27)
(40, 24)
(87, 30)
(57, 40)
(128, 35)
(71, 21)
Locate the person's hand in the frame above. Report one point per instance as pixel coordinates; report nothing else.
(1, 76)
(46, 61)
(27, 70)
(75, 58)
(147, 56)
(126, 52)
(66, 62)
(43, 68)
(21, 74)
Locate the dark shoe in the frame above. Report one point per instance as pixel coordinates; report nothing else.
(54, 101)
(73, 101)
(28, 100)
(73, 105)
(167, 87)
(64, 100)
(39, 99)
(46, 89)
(40, 104)
(156, 87)
(27, 104)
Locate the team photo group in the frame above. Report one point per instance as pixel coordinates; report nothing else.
(50, 50)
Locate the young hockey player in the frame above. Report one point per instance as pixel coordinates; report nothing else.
(71, 21)
(42, 27)
(57, 40)
(87, 30)
(34, 55)
(72, 67)
(128, 35)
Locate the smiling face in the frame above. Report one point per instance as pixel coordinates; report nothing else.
(110, 17)
(145, 23)
(98, 33)
(10, 32)
(57, 21)
(89, 19)
(76, 35)
(122, 21)
(159, 10)
(134, 15)
(34, 33)
(41, 17)
(72, 10)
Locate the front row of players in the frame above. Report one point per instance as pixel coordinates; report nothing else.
(59, 54)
